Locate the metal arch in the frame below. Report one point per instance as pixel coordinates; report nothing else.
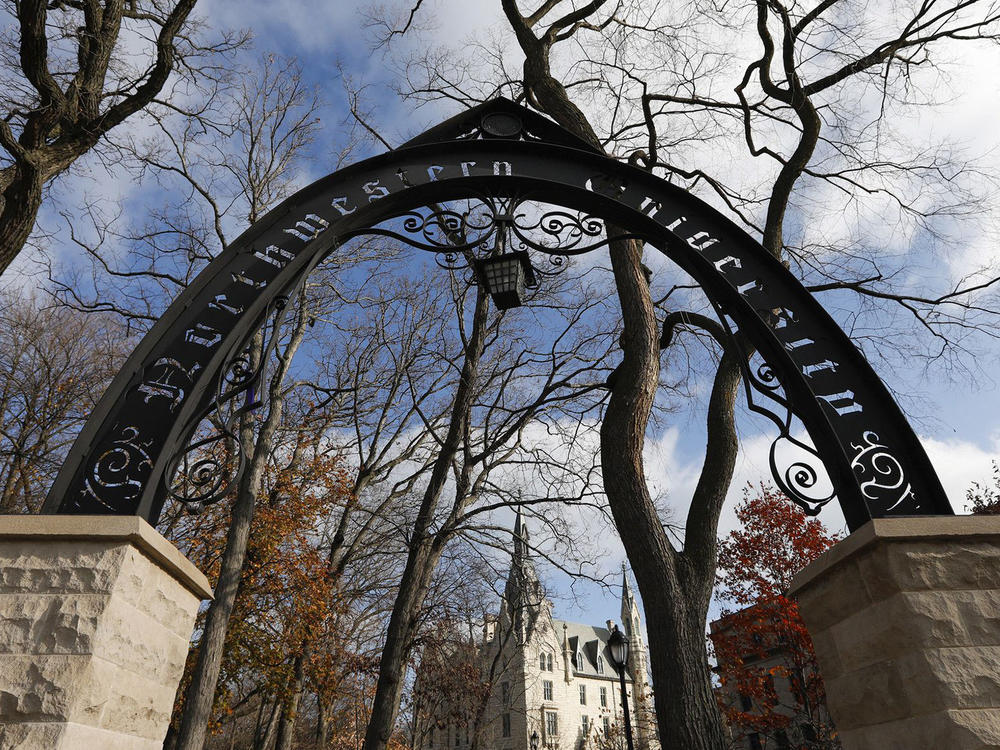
(123, 460)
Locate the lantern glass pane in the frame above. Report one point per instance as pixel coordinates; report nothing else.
(505, 279)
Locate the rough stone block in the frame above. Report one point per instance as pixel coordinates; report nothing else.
(944, 730)
(95, 621)
(905, 618)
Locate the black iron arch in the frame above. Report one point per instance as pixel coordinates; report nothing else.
(195, 356)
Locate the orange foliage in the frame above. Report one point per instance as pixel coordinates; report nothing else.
(766, 663)
(287, 597)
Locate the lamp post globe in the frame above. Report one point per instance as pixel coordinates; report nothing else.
(618, 644)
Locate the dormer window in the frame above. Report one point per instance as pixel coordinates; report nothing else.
(548, 661)
(579, 661)
(600, 665)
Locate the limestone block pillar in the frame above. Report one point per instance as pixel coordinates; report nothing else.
(96, 614)
(905, 618)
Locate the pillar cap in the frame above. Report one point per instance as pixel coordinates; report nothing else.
(109, 529)
(900, 528)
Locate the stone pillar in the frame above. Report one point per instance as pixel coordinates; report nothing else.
(905, 618)
(96, 614)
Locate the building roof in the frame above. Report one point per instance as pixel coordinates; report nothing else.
(589, 641)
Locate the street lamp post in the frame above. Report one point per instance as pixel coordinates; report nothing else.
(618, 646)
(534, 740)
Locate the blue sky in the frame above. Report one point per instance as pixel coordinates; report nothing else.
(953, 411)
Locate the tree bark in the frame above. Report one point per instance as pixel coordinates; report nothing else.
(673, 585)
(290, 707)
(19, 206)
(201, 693)
(425, 549)
(63, 125)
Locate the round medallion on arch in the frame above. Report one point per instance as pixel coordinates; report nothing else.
(501, 125)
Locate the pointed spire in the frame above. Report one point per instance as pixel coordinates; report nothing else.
(630, 609)
(523, 592)
(520, 537)
(627, 596)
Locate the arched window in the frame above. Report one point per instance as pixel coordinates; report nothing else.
(541, 661)
(548, 658)
(579, 661)
(600, 665)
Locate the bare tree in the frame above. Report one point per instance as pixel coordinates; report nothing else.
(54, 362)
(68, 77)
(235, 157)
(652, 75)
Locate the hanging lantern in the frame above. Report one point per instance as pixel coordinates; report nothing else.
(506, 276)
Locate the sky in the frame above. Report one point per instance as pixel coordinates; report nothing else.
(953, 409)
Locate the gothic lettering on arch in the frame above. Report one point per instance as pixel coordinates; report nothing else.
(167, 379)
(839, 431)
(305, 229)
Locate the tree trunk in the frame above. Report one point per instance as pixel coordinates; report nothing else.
(263, 742)
(201, 693)
(290, 708)
(686, 711)
(399, 634)
(687, 714)
(425, 548)
(19, 205)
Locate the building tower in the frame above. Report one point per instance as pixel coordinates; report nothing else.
(638, 666)
(523, 596)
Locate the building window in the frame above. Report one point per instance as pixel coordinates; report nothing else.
(600, 665)
(547, 690)
(551, 726)
(505, 691)
(579, 661)
(545, 662)
(604, 697)
(586, 724)
(583, 695)
(607, 727)
(506, 725)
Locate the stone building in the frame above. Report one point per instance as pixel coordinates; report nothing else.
(549, 676)
(795, 712)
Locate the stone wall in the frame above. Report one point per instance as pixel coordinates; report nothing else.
(905, 619)
(96, 615)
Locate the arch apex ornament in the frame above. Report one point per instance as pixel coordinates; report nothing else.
(198, 359)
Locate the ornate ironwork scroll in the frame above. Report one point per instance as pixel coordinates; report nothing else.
(210, 466)
(458, 235)
(796, 467)
(520, 181)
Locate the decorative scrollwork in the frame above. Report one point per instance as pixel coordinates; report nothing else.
(117, 474)
(801, 475)
(559, 232)
(209, 467)
(489, 226)
(882, 477)
(796, 467)
(767, 378)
